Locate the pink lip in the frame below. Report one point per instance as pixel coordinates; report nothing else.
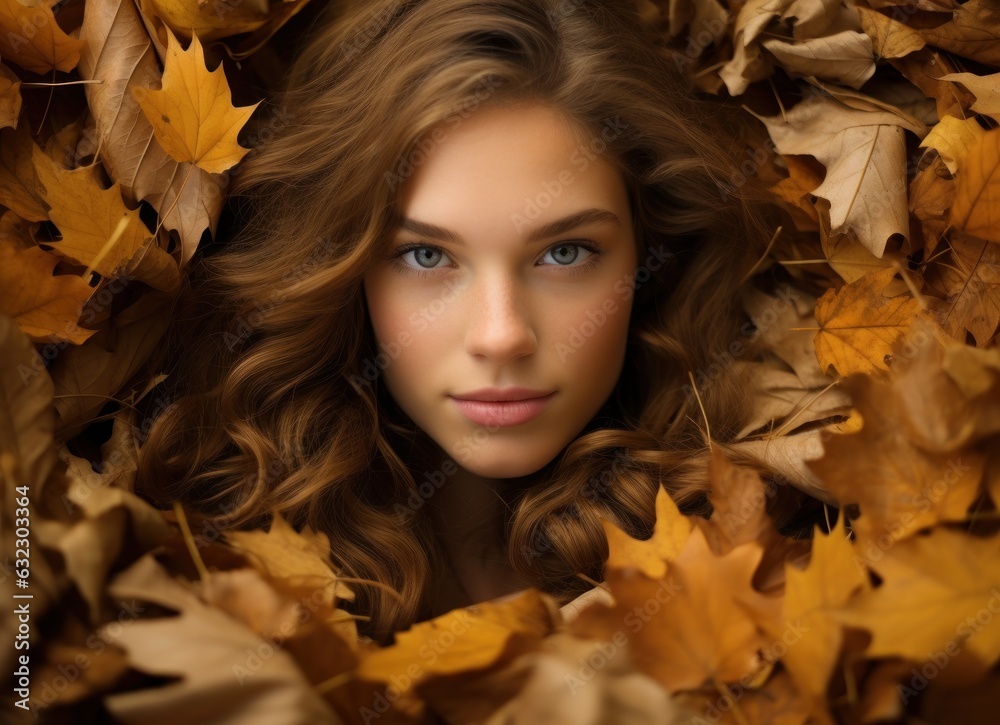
(508, 413)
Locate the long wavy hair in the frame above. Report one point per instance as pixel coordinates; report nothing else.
(278, 405)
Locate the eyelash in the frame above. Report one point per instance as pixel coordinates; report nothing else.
(595, 258)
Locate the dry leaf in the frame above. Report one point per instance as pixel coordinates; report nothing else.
(986, 89)
(929, 599)
(46, 307)
(858, 324)
(44, 46)
(977, 188)
(118, 51)
(228, 673)
(864, 155)
(670, 533)
(192, 115)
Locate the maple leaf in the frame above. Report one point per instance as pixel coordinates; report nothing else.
(670, 532)
(468, 639)
(858, 324)
(17, 174)
(903, 471)
(985, 88)
(45, 306)
(297, 558)
(191, 114)
(811, 594)
(46, 48)
(88, 215)
(864, 155)
(206, 21)
(933, 589)
(700, 628)
(977, 188)
(213, 655)
(119, 53)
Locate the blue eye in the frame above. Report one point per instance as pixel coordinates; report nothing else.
(595, 257)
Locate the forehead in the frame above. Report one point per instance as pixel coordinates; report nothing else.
(505, 156)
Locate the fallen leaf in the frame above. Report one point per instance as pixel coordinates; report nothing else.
(977, 188)
(117, 51)
(44, 47)
(985, 88)
(890, 39)
(670, 533)
(46, 306)
(10, 97)
(844, 57)
(192, 115)
(864, 155)
(692, 627)
(227, 673)
(858, 324)
(298, 558)
(929, 599)
(811, 594)
(88, 216)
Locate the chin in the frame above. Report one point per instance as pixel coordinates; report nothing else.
(505, 467)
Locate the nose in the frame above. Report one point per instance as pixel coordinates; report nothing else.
(499, 327)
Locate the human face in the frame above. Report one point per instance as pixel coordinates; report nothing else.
(491, 304)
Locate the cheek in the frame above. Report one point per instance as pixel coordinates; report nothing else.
(596, 328)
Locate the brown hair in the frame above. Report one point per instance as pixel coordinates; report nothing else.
(279, 407)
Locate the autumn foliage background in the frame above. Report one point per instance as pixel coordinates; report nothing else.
(878, 304)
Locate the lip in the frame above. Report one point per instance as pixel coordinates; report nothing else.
(503, 413)
(503, 394)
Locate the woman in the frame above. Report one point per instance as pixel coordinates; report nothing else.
(467, 196)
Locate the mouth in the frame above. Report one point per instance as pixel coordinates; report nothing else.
(502, 413)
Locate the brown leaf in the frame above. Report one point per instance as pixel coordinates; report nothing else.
(17, 174)
(977, 189)
(227, 673)
(44, 47)
(826, 584)
(904, 472)
(986, 89)
(46, 306)
(192, 115)
(301, 559)
(10, 97)
(698, 628)
(890, 39)
(864, 155)
(117, 51)
(670, 533)
(86, 376)
(933, 588)
(858, 324)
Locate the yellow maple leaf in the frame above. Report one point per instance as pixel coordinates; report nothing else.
(670, 533)
(87, 216)
(192, 113)
(31, 37)
(938, 593)
(44, 305)
(827, 583)
(858, 324)
(977, 188)
(462, 640)
(297, 558)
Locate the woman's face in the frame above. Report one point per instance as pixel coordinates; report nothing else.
(481, 290)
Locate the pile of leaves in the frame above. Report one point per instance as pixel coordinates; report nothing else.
(879, 394)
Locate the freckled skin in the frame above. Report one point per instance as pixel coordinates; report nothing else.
(495, 311)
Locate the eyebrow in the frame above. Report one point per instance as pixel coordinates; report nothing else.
(552, 229)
